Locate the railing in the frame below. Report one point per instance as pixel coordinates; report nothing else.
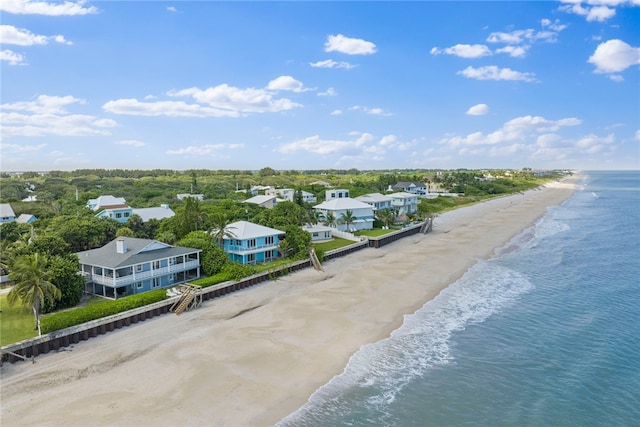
(238, 248)
(142, 275)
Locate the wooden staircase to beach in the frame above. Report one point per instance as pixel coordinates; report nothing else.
(427, 226)
(190, 297)
(314, 260)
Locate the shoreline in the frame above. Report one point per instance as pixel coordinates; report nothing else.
(255, 356)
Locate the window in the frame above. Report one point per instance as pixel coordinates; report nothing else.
(126, 214)
(251, 243)
(118, 215)
(156, 265)
(139, 285)
(268, 240)
(155, 282)
(138, 268)
(251, 257)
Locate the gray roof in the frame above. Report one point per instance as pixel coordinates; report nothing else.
(6, 210)
(260, 199)
(25, 218)
(344, 203)
(138, 251)
(104, 201)
(153, 213)
(374, 197)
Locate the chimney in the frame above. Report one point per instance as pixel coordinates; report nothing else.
(121, 246)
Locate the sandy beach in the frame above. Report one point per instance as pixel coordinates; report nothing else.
(255, 356)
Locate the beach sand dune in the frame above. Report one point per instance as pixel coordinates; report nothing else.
(253, 357)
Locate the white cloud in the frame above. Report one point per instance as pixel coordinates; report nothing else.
(555, 25)
(595, 10)
(287, 83)
(514, 51)
(464, 51)
(204, 150)
(336, 112)
(616, 78)
(44, 104)
(11, 57)
(349, 45)
(359, 145)
(131, 142)
(329, 92)
(520, 130)
(171, 9)
(133, 107)
(219, 101)
(478, 110)
(28, 7)
(232, 100)
(23, 37)
(372, 111)
(492, 72)
(330, 63)
(21, 148)
(47, 115)
(614, 56)
(521, 36)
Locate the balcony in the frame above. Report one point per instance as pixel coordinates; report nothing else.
(117, 282)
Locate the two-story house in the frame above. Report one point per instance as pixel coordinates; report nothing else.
(362, 213)
(379, 201)
(417, 188)
(336, 194)
(404, 203)
(249, 243)
(129, 265)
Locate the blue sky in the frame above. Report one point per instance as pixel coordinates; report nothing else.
(311, 85)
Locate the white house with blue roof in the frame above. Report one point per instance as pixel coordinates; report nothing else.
(249, 243)
(129, 265)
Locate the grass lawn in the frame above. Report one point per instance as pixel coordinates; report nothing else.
(332, 244)
(375, 232)
(16, 323)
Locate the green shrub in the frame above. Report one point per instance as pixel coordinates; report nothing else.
(66, 319)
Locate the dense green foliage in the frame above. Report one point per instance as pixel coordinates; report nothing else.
(212, 259)
(66, 319)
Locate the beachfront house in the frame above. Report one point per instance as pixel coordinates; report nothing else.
(362, 213)
(319, 232)
(404, 203)
(6, 213)
(379, 201)
(129, 265)
(249, 243)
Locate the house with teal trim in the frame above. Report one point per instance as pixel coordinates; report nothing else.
(120, 213)
(128, 265)
(249, 243)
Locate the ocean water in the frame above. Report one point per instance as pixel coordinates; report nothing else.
(545, 334)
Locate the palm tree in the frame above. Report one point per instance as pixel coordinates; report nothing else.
(347, 218)
(221, 228)
(32, 284)
(329, 219)
(386, 216)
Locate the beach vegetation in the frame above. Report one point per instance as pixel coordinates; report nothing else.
(330, 245)
(65, 319)
(32, 285)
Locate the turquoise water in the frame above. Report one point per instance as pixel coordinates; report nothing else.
(547, 334)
